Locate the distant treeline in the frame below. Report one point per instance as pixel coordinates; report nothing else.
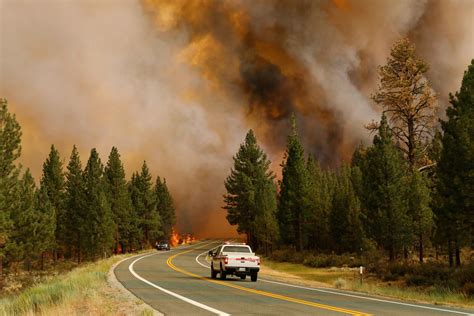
(75, 213)
(411, 189)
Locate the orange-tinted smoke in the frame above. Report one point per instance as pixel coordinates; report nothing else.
(240, 60)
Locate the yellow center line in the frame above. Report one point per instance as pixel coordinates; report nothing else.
(169, 262)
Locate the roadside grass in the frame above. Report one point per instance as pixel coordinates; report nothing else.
(335, 277)
(328, 276)
(83, 290)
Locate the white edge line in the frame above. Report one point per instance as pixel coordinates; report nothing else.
(187, 300)
(368, 298)
(350, 295)
(197, 258)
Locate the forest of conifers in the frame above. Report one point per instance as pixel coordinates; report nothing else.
(76, 213)
(410, 191)
(410, 194)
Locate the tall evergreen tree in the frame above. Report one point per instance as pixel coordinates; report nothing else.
(144, 204)
(249, 188)
(293, 207)
(266, 225)
(118, 199)
(75, 203)
(407, 98)
(43, 238)
(455, 171)
(165, 208)
(10, 150)
(136, 234)
(53, 182)
(317, 229)
(98, 228)
(24, 219)
(419, 210)
(384, 171)
(346, 226)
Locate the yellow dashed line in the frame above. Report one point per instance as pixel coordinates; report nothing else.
(169, 262)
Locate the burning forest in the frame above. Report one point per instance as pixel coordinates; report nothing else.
(179, 82)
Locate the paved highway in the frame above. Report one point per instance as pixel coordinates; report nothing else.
(178, 282)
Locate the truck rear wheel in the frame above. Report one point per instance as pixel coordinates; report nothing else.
(253, 276)
(213, 272)
(222, 273)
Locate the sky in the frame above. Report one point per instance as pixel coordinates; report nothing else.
(179, 83)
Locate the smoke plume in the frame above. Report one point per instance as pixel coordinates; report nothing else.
(179, 83)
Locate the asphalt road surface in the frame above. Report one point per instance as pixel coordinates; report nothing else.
(178, 282)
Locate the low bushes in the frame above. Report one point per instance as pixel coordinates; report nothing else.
(430, 274)
(314, 260)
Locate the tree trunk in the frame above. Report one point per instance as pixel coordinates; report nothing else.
(458, 254)
(391, 254)
(450, 253)
(421, 248)
(299, 241)
(411, 143)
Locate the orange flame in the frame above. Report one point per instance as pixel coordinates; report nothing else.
(174, 238)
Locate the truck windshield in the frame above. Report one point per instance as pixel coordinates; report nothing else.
(236, 249)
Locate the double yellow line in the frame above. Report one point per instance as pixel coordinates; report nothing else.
(169, 262)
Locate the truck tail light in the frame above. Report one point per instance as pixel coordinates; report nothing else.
(226, 260)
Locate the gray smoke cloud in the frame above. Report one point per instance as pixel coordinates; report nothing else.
(179, 83)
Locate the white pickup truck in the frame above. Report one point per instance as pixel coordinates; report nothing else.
(234, 259)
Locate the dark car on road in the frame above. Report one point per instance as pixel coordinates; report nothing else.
(162, 245)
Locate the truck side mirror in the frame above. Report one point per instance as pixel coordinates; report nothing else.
(211, 254)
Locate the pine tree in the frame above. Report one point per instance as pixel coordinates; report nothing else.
(346, 227)
(97, 215)
(44, 235)
(407, 98)
(53, 182)
(25, 220)
(293, 208)
(106, 226)
(118, 198)
(10, 150)
(165, 208)
(419, 209)
(75, 203)
(384, 178)
(249, 188)
(144, 204)
(266, 226)
(136, 234)
(317, 229)
(455, 170)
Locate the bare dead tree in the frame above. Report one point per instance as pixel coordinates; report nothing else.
(408, 100)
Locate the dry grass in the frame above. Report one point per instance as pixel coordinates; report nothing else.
(346, 278)
(326, 276)
(84, 290)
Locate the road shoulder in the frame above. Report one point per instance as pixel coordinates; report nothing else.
(138, 307)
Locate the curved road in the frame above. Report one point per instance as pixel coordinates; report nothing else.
(178, 282)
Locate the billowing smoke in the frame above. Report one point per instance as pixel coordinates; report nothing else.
(178, 83)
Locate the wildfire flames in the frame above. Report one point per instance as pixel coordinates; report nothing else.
(198, 74)
(174, 238)
(177, 240)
